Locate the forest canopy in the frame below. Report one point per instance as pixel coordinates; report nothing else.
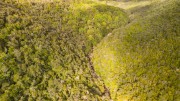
(89, 50)
(45, 46)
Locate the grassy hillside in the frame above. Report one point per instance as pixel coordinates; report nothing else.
(44, 49)
(140, 62)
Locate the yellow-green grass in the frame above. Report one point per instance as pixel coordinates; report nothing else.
(127, 4)
(140, 62)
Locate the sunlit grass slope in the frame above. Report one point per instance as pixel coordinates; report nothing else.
(140, 62)
(44, 47)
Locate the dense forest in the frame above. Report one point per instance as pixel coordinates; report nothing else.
(89, 50)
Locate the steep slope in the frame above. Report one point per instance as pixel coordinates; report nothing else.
(140, 62)
(44, 49)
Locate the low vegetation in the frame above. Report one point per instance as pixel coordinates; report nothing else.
(140, 62)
